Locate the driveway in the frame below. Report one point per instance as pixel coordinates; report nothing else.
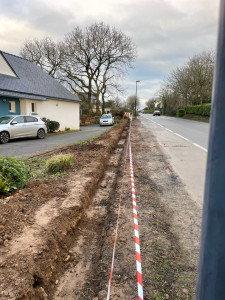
(28, 147)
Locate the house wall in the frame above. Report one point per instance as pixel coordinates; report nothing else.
(5, 68)
(65, 112)
(4, 106)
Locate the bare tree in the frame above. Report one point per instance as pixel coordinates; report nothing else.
(96, 56)
(189, 84)
(131, 102)
(45, 53)
(89, 61)
(151, 103)
(201, 68)
(180, 83)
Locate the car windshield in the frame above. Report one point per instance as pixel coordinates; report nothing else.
(5, 120)
(106, 117)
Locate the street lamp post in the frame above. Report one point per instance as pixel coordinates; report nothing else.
(135, 104)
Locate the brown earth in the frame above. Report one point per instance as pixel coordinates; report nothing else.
(57, 236)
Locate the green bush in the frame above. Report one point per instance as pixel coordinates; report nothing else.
(149, 111)
(202, 110)
(13, 175)
(180, 113)
(206, 109)
(51, 125)
(59, 163)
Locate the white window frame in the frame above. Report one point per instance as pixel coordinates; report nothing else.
(35, 107)
(12, 104)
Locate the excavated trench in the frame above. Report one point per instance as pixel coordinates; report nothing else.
(55, 253)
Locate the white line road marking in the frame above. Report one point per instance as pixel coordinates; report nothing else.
(184, 138)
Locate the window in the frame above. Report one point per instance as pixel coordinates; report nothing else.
(12, 106)
(33, 107)
(19, 120)
(31, 119)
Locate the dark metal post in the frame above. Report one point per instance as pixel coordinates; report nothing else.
(211, 281)
(135, 103)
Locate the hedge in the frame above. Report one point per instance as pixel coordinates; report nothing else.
(180, 112)
(149, 111)
(202, 110)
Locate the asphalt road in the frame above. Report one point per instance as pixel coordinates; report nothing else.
(28, 147)
(195, 132)
(184, 143)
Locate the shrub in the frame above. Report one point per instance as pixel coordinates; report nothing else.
(59, 163)
(51, 125)
(180, 113)
(149, 111)
(13, 175)
(202, 110)
(206, 109)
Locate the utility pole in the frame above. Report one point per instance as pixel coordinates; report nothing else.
(135, 104)
(212, 255)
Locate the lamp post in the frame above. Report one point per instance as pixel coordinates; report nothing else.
(135, 104)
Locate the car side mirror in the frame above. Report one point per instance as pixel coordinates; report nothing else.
(13, 123)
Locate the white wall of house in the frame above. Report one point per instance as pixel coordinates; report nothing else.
(65, 112)
(5, 68)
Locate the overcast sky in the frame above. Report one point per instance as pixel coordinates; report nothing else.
(167, 32)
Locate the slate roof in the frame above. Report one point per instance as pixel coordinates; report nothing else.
(31, 82)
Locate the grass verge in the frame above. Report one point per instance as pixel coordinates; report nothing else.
(196, 118)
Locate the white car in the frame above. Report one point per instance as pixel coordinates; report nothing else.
(106, 119)
(13, 127)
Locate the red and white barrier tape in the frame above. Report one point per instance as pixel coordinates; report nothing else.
(136, 232)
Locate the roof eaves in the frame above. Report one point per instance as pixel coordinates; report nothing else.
(64, 99)
(42, 97)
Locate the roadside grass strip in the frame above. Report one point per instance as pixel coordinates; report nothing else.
(136, 231)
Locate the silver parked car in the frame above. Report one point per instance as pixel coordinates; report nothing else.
(106, 119)
(13, 127)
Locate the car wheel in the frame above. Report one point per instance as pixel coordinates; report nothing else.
(41, 134)
(4, 137)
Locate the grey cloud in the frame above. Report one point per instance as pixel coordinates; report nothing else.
(165, 36)
(38, 14)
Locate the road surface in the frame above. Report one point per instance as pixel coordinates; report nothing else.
(185, 144)
(29, 147)
(194, 131)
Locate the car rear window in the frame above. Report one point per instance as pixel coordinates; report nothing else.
(31, 119)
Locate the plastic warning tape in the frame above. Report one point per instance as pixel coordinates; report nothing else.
(117, 225)
(136, 231)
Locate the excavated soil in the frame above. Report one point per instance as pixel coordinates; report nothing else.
(57, 236)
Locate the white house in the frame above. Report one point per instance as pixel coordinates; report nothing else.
(26, 89)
